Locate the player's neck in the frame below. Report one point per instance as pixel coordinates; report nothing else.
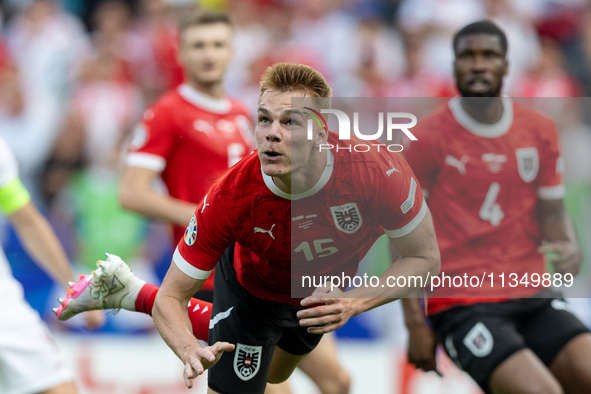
(212, 89)
(304, 178)
(488, 110)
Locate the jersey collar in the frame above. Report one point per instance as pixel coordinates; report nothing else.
(324, 178)
(203, 101)
(482, 129)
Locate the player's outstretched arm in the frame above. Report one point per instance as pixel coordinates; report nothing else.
(422, 344)
(419, 258)
(171, 318)
(43, 246)
(137, 194)
(559, 231)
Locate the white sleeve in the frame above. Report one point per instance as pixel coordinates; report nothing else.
(8, 165)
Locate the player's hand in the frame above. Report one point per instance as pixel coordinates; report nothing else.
(203, 358)
(566, 256)
(94, 319)
(422, 347)
(328, 311)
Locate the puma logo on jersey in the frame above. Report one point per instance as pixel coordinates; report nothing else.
(260, 230)
(204, 203)
(459, 164)
(391, 170)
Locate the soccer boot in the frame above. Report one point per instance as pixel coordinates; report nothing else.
(111, 286)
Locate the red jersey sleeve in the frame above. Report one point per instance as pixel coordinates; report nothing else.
(421, 157)
(152, 140)
(550, 185)
(399, 200)
(206, 239)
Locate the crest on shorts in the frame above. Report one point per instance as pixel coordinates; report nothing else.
(479, 340)
(528, 163)
(347, 217)
(191, 231)
(247, 361)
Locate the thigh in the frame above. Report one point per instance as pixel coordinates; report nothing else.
(523, 373)
(283, 365)
(323, 367)
(478, 341)
(550, 328)
(30, 361)
(293, 346)
(572, 365)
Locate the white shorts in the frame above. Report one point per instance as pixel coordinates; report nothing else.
(30, 361)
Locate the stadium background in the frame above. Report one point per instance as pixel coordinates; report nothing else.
(75, 76)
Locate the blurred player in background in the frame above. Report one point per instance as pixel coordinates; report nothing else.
(245, 223)
(493, 173)
(29, 358)
(189, 138)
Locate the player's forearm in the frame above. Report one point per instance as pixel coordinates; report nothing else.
(411, 272)
(172, 322)
(42, 244)
(413, 315)
(555, 222)
(150, 203)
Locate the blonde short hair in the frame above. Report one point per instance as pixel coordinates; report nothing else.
(285, 77)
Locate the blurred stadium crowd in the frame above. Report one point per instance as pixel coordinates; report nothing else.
(75, 76)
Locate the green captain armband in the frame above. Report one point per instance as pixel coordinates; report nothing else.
(13, 196)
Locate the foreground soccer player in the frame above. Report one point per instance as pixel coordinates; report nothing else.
(29, 359)
(245, 224)
(189, 138)
(493, 171)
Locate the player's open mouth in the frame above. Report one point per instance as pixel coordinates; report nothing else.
(271, 155)
(478, 84)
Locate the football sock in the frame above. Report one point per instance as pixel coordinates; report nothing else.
(199, 311)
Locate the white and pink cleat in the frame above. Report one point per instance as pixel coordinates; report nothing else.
(111, 286)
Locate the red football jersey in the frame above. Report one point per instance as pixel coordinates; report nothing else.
(483, 184)
(192, 140)
(329, 228)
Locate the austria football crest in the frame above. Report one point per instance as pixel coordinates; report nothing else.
(528, 163)
(247, 361)
(347, 217)
(479, 340)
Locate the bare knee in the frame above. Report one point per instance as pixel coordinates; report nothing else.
(339, 384)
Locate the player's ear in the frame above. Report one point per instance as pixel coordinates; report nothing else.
(322, 137)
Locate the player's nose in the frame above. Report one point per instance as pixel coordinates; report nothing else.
(274, 132)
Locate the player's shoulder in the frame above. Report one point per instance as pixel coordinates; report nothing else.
(167, 104)
(433, 125)
(361, 158)
(246, 172)
(527, 115)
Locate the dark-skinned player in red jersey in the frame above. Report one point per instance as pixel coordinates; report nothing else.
(243, 229)
(493, 173)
